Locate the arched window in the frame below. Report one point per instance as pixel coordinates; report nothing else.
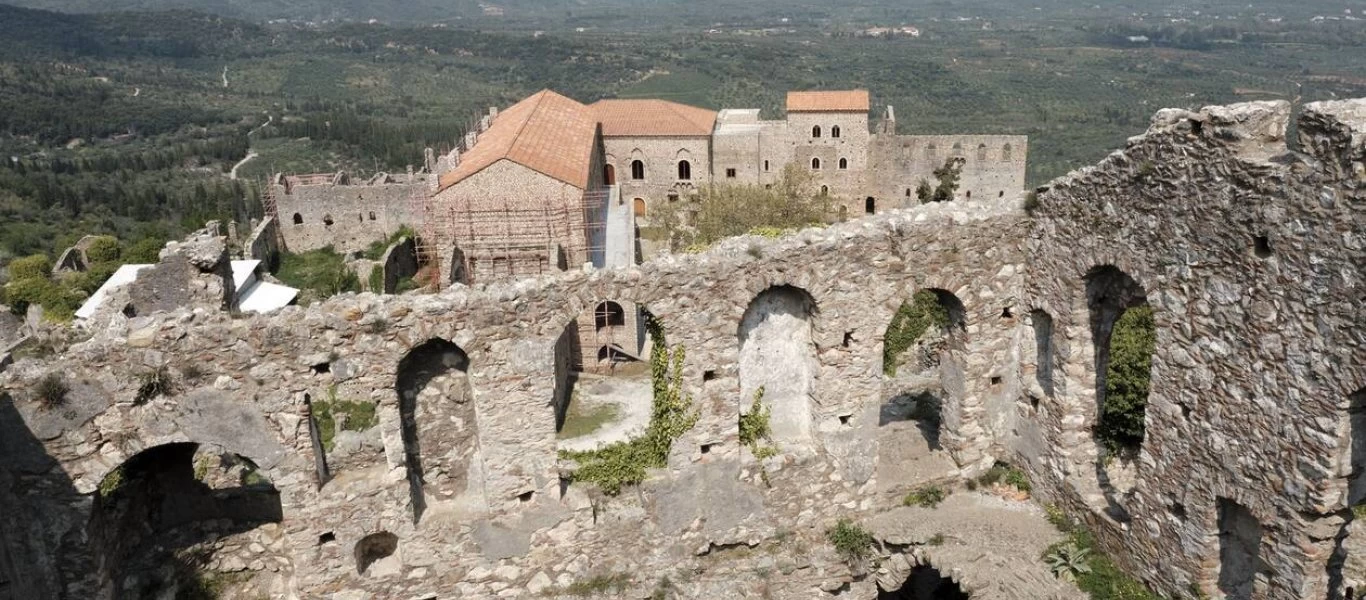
(1005, 152)
(684, 170)
(982, 152)
(608, 314)
(931, 151)
(816, 164)
(844, 163)
(298, 219)
(637, 170)
(835, 131)
(639, 206)
(869, 205)
(825, 190)
(908, 192)
(609, 175)
(372, 215)
(816, 131)
(957, 148)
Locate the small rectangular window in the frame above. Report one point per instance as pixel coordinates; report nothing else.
(765, 165)
(730, 173)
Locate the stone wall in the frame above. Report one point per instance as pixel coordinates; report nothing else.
(660, 155)
(264, 243)
(994, 166)
(1248, 253)
(318, 211)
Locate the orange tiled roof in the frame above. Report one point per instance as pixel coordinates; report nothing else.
(833, 101)
(546, 132)
(652, 118)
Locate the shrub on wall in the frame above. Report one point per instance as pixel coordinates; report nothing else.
(910, 322)
(1126, 380)
(725, 210)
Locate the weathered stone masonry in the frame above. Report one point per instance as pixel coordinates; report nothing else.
(1250, 255)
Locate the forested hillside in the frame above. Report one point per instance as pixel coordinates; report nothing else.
(132, 123)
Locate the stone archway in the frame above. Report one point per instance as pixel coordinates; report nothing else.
(778, 359)
(194, 507)
(436, 410)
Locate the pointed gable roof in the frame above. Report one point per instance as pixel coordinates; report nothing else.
(830, 101)
(547, 133)
(649, 117)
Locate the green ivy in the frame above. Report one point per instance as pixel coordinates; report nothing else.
(909, 323)
(625, 463)
(1126, 380)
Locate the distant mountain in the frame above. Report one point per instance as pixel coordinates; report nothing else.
(261, 10)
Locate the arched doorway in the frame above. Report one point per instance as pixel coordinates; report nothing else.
(437, 416)
(638, 205)
(162, 505)
(925, 583)
(778, 361)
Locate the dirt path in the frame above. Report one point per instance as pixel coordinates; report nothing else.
(250, 155)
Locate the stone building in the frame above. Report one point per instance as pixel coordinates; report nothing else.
(330, 209)
(405, 446)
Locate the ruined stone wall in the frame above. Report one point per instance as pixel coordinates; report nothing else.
(1250, 256)
(264, 242)
(360, 212)
(994, 165)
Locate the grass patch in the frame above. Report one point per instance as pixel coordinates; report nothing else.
(51, 390)
(152, 384)
(1005, 474)
(615, 583)
(320, 271)
(353, 415)
(582, 420)
(851, 540)
(928, 496)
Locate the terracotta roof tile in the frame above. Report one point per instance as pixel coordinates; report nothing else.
(652, 118)
(832, 101)
(546, 132)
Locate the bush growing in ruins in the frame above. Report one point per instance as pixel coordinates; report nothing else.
(927, 496)
(755, 428)
(723, 210)
(1126, 380)
(625, 463)
(851, 540)
(909, 323)
(51, 390)
(1094, 572)
(946, 185)
(153, 383)
(1003, 473)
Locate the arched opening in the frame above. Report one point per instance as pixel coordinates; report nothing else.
(608, 314)
(637, 170)
(816, 131)
(165, 504)
(778, 362)
(377, 555)
(1240, 549)
(981, 152)
(825, 191)
(1123, 337)
(1044, 352)
(372, 215)
(437, 420)
(957, 149)
(611, 404)
(638, 205)
(609, 174)
(931, 151)
(684, 170)
(922, 361)
(925, 583)
(298, 219)
(870, 205)
(327, 220)
(835, 131)
(844, 163)
(816, 164)
(1005, 152)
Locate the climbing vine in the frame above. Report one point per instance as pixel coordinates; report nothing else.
(1126, 380)
(624, 463)
(909, 323)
